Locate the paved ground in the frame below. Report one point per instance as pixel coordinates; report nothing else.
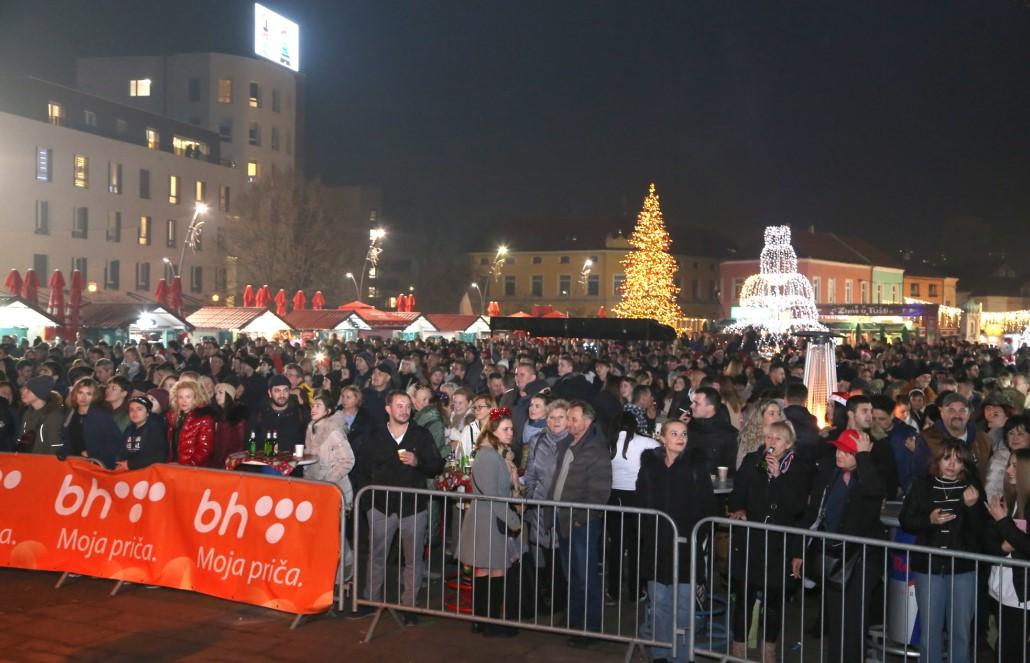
(80, 622)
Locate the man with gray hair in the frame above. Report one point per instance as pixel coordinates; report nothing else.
(583, 473)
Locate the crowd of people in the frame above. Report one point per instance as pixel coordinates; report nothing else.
(942, 427)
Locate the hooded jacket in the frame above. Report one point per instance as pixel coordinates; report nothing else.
(145, 445)
(100, 435)
(327, 441)
(44, 428)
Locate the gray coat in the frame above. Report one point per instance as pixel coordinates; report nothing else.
(587, 479)
(482, 543)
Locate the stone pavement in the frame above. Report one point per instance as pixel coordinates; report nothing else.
(80, 622)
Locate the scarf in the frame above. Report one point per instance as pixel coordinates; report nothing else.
(785, 462)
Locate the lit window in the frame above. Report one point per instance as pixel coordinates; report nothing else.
(188, 147)
(55, 112)
(143, 237)
(255, 95)
(114, 177)
(253, 170)
(831, 291)
(153, 139)
(200, 191)
(224, 91)
(173, 189)
(81, 171)
(44, 155)
(139, 87)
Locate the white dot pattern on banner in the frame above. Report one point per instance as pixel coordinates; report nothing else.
(157, 492)
(284, 508)
(304, 511)
(135, 513)
(139, 491)
(275, 532)
(263, 506)
(12, 479)
(121, 489)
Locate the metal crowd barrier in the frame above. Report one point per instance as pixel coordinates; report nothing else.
(545, 583)
(878, 610)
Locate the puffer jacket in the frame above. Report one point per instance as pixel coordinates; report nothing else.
(43, 429)
(196, 440)
(327, 440)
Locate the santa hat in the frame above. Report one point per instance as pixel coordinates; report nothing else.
(840, 397)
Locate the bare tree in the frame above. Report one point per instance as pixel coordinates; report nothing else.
(287, 236)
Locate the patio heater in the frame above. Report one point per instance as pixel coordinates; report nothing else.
(820, 371)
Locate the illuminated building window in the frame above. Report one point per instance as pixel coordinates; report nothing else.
(255, 95)
(143, 236)
(81, 171)
(173, 189)
(153, 139)
(253, 170)
(139, 87)
(44, 157)
(114, 177)
(224, 91)
(188, 147)
(831, 291)
(55, 112)
(200, 191)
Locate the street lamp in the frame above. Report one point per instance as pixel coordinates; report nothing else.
(353, 280)
(498, 264)
(375, 235)
(482, 299)
(193, 231)
(584, 274)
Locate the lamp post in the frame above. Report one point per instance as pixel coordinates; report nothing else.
(375, 235)
(357, 288)
(482, 298)
(584, 274)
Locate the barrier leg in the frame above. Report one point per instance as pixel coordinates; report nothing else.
(631, 649)
(117, 587)
(60, 581)
(296, 621)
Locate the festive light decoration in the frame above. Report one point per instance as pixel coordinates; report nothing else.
(778, 300)
(649, 290)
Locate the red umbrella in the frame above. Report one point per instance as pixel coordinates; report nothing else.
(299, 300)
(74, 303)
(161, 293)
(13, 283)
(56, 304)
(401, 302)
(493, 309)
(280, 302)
(248, 296)
(409, 303)
(264, 296)
(318, 301)
(601, 312)
(175, 296)
(30, 287)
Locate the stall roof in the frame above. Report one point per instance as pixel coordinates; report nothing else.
(376, 319)
(231, 317)
(448, 322)
(311, 319)
(111, 315)
(608, 328)
(16, 312)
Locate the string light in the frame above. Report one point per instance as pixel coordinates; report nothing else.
(649, 290)
(777, 301)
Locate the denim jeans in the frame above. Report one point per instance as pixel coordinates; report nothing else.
(658, 623)
(940, 609)
(581, 561)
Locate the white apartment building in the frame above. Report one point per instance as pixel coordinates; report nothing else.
(255, 106)
(93, 185)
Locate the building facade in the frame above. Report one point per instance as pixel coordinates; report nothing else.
(110, 190)
(577, 274)
(932, 288)
(254, 106)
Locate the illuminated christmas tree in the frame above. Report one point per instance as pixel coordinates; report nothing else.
(649, 291)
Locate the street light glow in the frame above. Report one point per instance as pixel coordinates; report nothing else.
(201, 208)
(349, 275)
(376, 234)
(475, 285)
(502, 250)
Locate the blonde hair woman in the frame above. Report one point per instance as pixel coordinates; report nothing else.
(191, 424)
(752, 436)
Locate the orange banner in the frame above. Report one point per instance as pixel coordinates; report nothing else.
(250, 538)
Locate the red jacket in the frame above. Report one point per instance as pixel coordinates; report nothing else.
(196, 438)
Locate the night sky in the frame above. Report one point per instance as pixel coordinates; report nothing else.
(883, 119)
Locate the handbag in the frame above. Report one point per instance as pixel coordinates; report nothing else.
(832, 567)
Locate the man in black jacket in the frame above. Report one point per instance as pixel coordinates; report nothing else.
(806, 428)
(401, 454)
(710, 429)
(280, 413)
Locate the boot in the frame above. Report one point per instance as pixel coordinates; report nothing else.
(497, 601)
(738, 650)
(480, 603)
(770, 652)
